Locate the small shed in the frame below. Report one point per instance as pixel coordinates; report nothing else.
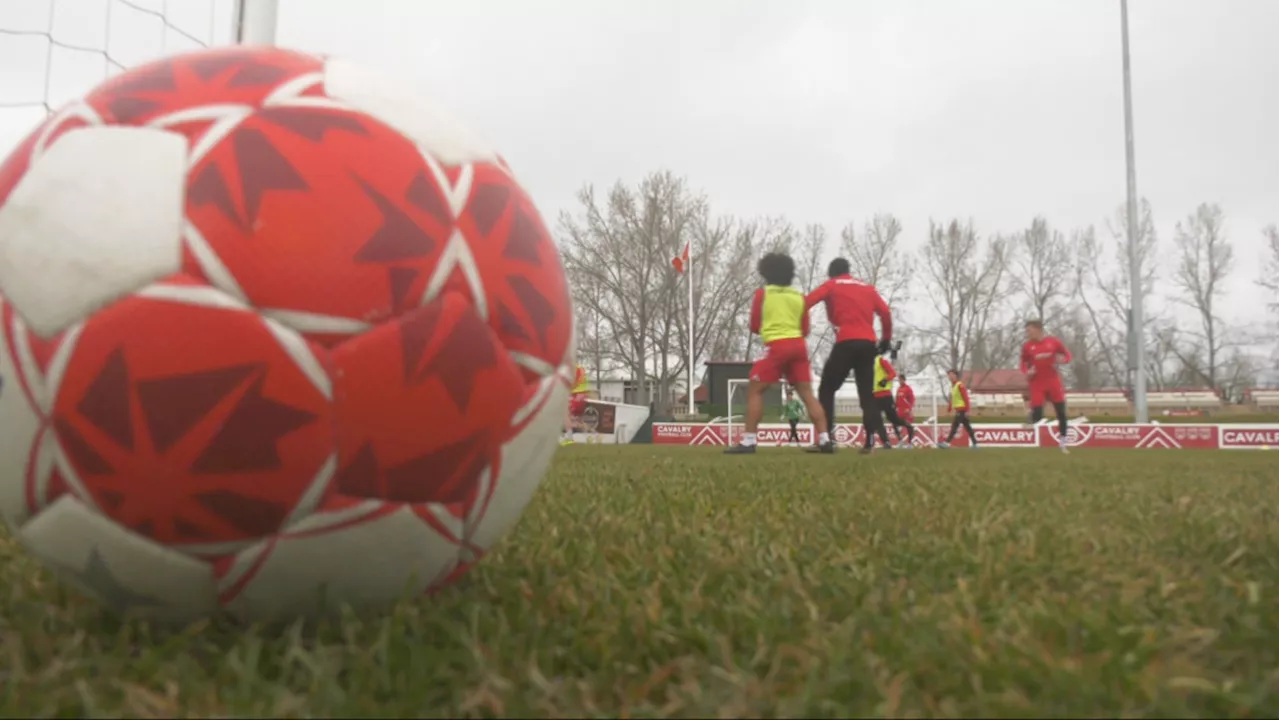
(716, 380)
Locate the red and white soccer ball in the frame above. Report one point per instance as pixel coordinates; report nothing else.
(276, 336)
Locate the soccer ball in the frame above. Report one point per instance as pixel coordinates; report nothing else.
(275, 337)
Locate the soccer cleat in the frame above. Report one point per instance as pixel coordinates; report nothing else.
(866, 450)
(944, 445)
(825, 448)
(740, 449)
(566, 441)
(1062, 445)
(974, 446)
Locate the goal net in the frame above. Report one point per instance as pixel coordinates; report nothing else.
(53, 51)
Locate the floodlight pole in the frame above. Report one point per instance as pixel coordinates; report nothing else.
(1137, 360)
(255, 22)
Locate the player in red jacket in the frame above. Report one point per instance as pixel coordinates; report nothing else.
(905, 403)
(852, 307)
(1041, 355)
(958, 403)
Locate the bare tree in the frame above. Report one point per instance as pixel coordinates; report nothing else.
(1040, 267)
(965, 283)
(1269, 279)
(877, 258)
(617, 258)
(1087, 370)
(1204, 261)
(1269, 275)
(811, 271)
(1102, 286)
(723, 280)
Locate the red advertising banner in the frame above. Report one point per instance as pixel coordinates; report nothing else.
(1086, 435)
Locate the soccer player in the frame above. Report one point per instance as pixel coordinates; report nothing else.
(577, 403)
(852, 307)
(779, 315)
(958, 403)
(905, 404)
(885, 375)
(793, 413)
(1041, 355)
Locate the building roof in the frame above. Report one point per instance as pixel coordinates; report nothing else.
(700, 395)
(995, 380)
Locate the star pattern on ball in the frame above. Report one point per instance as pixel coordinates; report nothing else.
(205, 425)
(97, 579)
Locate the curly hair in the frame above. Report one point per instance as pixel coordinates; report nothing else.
(777, 268)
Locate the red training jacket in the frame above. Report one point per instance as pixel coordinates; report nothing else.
(906, 400)
(1040, 360)
(851, 307)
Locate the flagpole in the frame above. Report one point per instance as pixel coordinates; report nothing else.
(689, 269)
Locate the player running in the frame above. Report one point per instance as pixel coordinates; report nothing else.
(1041, 355)
(958, 403)
(905, 404)
(793, 413)
(885, 374)
(852, 307)
(577, 403)
(779, 315)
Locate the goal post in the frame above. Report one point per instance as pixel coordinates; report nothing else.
(255, 21)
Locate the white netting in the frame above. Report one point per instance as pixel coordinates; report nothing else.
(52, 51)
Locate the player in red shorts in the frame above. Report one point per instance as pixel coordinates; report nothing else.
(905, 403)
(779, 316)
(577, 403)
(1041, 356)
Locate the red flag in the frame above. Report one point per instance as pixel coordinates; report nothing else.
(681, 260)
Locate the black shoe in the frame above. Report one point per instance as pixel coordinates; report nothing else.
(826, 448)
(740, 449)
(866, 450)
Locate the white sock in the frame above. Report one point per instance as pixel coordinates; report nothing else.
(748, 438)
(823, 438)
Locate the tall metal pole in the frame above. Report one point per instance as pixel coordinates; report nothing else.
(255, 22)
(1137, 359)
(693, 408)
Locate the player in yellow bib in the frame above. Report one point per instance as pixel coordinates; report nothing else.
(577, 403)
(779, 316)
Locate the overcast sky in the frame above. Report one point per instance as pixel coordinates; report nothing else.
(819, 110)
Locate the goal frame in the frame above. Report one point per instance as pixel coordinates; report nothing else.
(255, 21)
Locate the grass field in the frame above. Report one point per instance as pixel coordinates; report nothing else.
(650, 582)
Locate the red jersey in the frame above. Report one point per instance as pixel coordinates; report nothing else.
(906, 399)
(852, 306)
(1040, 359)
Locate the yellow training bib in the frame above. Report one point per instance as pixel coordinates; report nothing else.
(781, 313)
